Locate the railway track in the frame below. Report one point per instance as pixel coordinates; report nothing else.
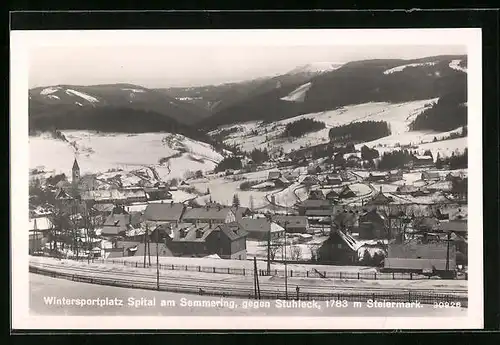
(230, 283)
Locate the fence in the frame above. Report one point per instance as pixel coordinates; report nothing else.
(436, 299)
(277, 272)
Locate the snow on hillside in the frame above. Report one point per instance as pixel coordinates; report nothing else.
(49, 90)
(400, 68)
(445, 148)
(53, 96)
(82, 95)
(316, 67)
(299, 94)
(399, 116)
(455, 64)
(417, 138)
(134, 90)
(102, 152)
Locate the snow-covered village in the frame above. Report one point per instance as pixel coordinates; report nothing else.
(299, 186)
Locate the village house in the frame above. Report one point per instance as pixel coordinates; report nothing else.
(344, 175)
(284, 162)
(380, 199)
(154, 193)
(406, 189)
(321, 217)
(117, 224)
(373, 224)
(457, 226)
(292, 224)
(261, 228)
(62, 195)
(420, 192)
(430, 258)
(332, 196)
(340, 249)
(333, 180)
(353, 161)
(168, 212)
(38, 233)
(310, 181)
(313, 169)
(209, 214)
(291, 176)
(316, 194)
(451, 176)
(430, 176)
(451, 212)
(440, 186)
(309, 204)
(227, 240)
(186, 239)
(134, 195)
(110, 196)
(346, 193)
(273, 175)
(394, 175)
(241, 212)
(372, 177)
(419, 161)
(137, 248)
(282, 182)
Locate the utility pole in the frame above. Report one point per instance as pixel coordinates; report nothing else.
(149, 251)
(145, 234)
(35, 234)
(286, 272)
(255, 276)
(157, 261)
(269, 246)
(448, 252)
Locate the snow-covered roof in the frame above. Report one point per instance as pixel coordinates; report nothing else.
(423, 157)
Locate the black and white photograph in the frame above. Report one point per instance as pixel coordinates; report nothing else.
(291, 178)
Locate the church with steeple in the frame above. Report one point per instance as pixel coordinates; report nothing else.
(75, 175)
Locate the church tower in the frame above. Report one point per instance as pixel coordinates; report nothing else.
(75, 173)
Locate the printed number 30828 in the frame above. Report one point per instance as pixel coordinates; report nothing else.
(447, 305)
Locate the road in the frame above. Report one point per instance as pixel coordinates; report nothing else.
(42, 288)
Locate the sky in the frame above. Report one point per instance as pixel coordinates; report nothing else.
(175, 66)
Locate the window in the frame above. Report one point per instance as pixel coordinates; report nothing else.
(339, 245)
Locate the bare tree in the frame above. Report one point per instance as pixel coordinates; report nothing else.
(313, 249)
(399, 216)
(295, 253)
(273, 249)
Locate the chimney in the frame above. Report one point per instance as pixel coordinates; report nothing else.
(172, 203)
(380, 189)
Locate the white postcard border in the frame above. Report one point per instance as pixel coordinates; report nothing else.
(23, 41)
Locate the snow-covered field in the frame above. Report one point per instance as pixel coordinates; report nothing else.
(222, 190)
(99, 152)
